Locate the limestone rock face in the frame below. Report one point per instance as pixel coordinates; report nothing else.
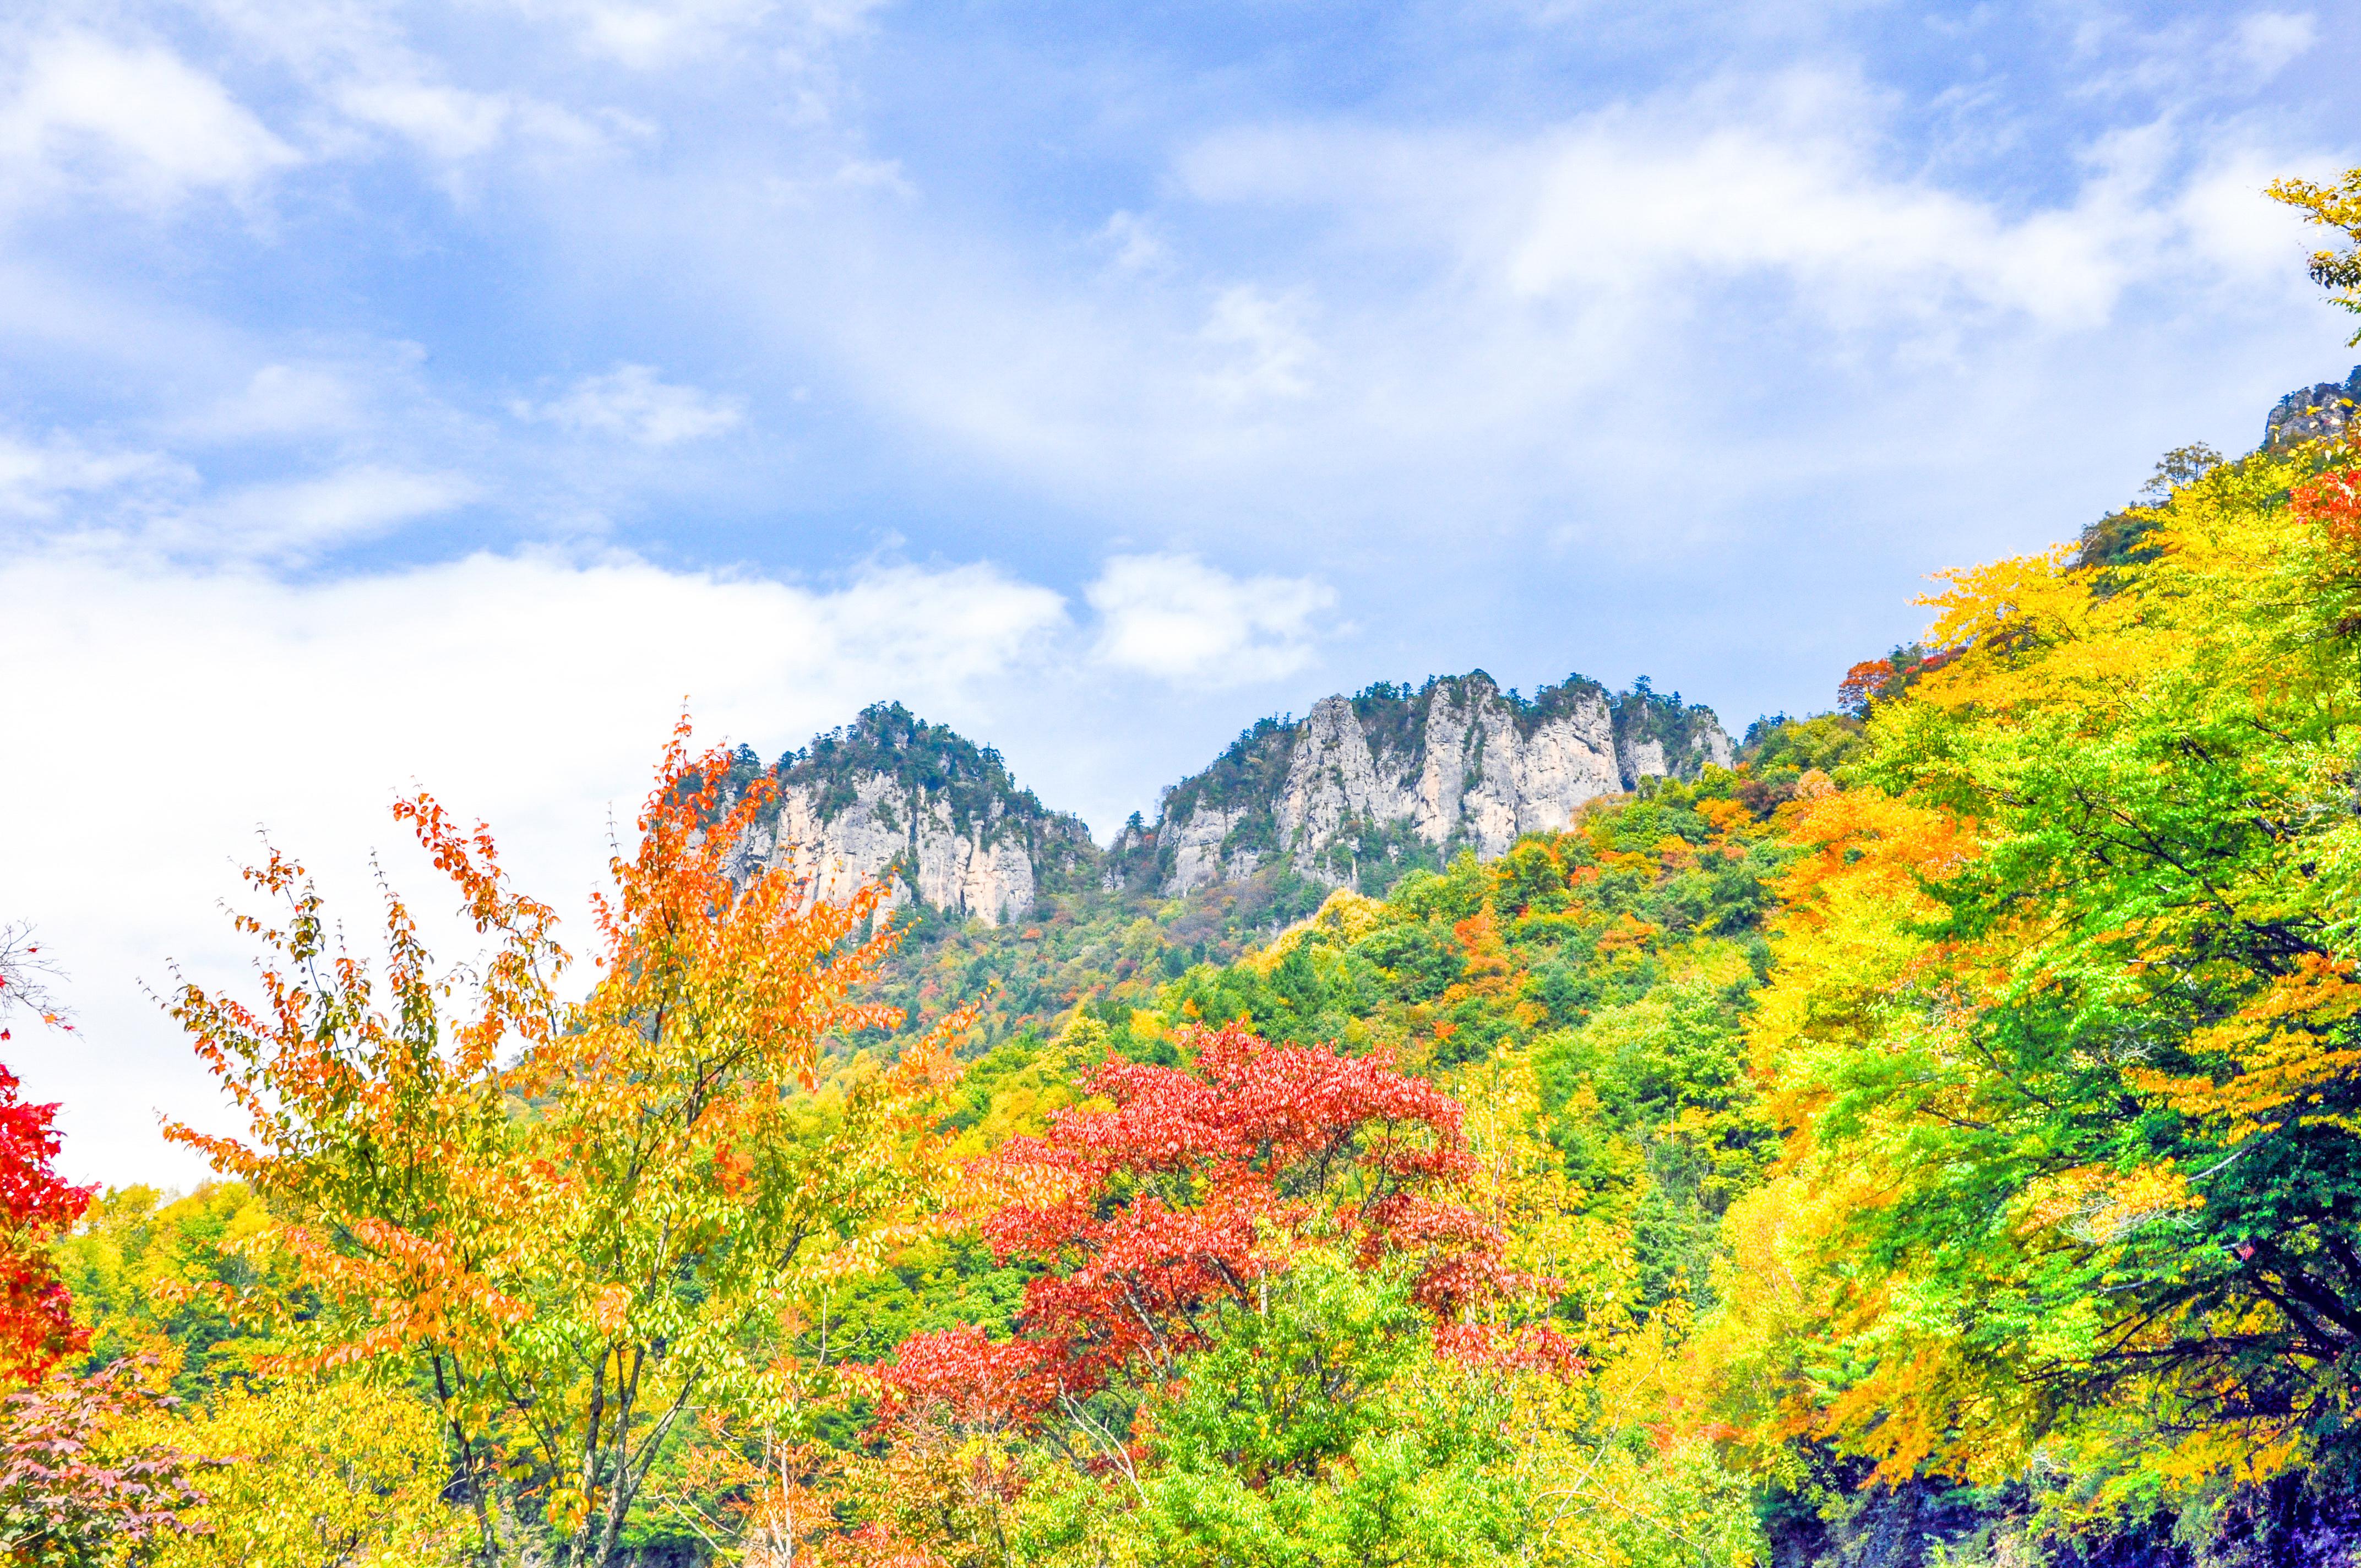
(937, 819)
(892, 831)
(1198, 857)
(1358, 790)
(2308, 413)
(1396, 776)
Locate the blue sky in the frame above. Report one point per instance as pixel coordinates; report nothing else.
(440, 391)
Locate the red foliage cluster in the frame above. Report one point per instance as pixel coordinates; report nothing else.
(1864, 683)
(1874, 680)
(1528, 1347)
(2331, 502)
(36, 1325)
(972, 1379)
(1151, 1215)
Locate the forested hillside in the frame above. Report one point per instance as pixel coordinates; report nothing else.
(1928, 1133)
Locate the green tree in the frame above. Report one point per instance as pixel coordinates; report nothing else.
(2068, 1022)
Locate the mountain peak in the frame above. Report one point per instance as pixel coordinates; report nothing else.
(1363, 788)
(939, 818)
(1355, 793)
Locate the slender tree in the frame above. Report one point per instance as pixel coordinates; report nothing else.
(574, 1226)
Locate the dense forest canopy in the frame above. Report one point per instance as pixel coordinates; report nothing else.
(1934, 1137)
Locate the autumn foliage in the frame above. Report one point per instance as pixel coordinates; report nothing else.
(1182, 1196)
(36, 1205)
(1160, 1220)
(2064, 1026)
(1874, 681)
(574, 1223)
(1941, 1126)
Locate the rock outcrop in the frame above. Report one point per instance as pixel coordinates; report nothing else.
(938, 819)
(1395, 777)
(1357, 792)
(2308, 413)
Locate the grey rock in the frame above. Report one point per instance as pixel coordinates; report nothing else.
(2311, 414)
(1369, 780)
(891, 798)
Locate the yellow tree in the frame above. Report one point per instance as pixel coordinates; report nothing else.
(2066, 1029)
(2336, 206)
(574, 1226)
(313, 1470)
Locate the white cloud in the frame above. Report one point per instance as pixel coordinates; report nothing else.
(875, 174)
(2220, 218)
(360, 73)
(1263, 349)
(648, 35)
(1176, 617)
(296, 519)
(453, 125)
(1505, 324)
(2269, 40)
(137, 120)
(70, 493)
(444, 121)
(1620, 209)
(38, 478)
(630, 401)
(1802, 199)
(280, 401)
(1132, 243)
(175, 711)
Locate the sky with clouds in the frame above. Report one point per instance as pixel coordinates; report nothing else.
(440, 392)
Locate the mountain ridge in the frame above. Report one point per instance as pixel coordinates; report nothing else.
(1359, 790)
(1398, 778)
(1362, 789)
(937, 817)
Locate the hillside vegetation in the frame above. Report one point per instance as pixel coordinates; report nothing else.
(1933, 1138)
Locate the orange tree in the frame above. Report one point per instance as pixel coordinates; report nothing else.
(571, 1226)
(2067, 1025)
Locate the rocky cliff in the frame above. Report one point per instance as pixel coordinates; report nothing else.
(1356, 792)
(2308, 413)
(1366, 786)
(939, 818)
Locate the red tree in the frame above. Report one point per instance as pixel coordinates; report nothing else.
(1153, 1215)
(2332, 501)
(36, 1205)
(37, 1326)
(61, 1500)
